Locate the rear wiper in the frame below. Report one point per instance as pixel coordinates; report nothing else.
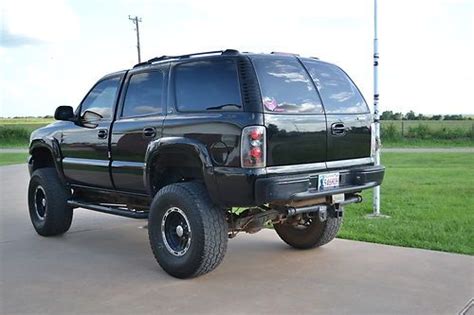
(224, 105)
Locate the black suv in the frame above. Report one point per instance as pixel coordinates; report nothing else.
(205, 146)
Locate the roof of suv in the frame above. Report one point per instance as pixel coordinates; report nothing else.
(227, 52)
(216, 53)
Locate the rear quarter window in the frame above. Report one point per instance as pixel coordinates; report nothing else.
(286, 86)
(338, 92)
(207, 85)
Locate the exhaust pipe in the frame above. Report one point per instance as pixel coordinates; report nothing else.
(353, 199)
(321, 208)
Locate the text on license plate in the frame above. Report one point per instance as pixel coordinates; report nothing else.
(329, 180)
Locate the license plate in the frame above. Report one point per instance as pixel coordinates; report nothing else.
(330, 180)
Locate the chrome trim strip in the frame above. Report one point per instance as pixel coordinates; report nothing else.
(352, 162)
(86, 162)
(296, 168)
(125, 164)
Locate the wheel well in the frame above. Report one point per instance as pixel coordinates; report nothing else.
(173, 166)
(42, 157)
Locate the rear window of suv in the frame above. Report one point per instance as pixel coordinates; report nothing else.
(286, 86)
(338, 92)
(207, 85)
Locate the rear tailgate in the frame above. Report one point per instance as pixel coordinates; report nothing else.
(294, 116)
(348, 116)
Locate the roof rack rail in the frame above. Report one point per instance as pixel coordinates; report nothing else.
(283, 53)
(227, 52)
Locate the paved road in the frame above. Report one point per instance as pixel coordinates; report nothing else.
(13, 150)
(104, 265)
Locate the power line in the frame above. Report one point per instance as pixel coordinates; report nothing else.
(135, 21)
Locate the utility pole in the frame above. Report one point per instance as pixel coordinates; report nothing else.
(376, 200)
(135, 21)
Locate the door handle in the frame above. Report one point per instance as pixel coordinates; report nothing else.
(102, 134)
(338, 129)
(149, 132)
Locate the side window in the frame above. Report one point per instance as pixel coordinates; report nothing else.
(286, 87)
(339, 93)
(207, 85)
(144, 94)
(102, 97)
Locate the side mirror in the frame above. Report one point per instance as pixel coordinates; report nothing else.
(64, 113)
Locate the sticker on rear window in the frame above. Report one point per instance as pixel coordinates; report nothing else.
(271, 104)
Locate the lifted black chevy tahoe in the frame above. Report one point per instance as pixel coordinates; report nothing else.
(205, 146)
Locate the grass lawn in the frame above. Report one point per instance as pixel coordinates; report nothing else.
(12, 158)
(428, 143)
(430, 201)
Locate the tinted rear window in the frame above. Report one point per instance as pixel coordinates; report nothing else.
(338, 92)
(207, 85)
(286, 86)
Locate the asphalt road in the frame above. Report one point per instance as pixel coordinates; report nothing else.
(104, 265)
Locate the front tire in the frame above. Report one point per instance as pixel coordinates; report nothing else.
(47, 202)
(187, 232)
(313, 234)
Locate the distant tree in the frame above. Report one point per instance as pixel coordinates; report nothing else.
(397, 116)
(421, 117)
(410, 115)
(436, 117)
(453, 117)
(387, 115)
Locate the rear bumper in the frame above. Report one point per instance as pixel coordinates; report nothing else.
(303, 187)
(238, 187)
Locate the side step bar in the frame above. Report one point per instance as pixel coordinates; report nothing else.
(109, 210)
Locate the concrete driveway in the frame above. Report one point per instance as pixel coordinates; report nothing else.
(104, 265)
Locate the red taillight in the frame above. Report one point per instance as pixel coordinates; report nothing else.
(253, 147)
(255, 134)
(256, 153)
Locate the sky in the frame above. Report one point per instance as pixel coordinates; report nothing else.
(53, 51)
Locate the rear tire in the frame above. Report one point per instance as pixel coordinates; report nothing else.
(47, 202)
(317, 233)
(187, 232)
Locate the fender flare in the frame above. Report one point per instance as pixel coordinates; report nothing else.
(52, 145)
(198, 148)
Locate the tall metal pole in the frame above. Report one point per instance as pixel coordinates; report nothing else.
(135, 21)
(376, 201)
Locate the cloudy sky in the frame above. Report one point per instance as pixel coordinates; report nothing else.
(52, 52)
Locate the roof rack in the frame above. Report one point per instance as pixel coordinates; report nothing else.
(227, 52)
(283, 53)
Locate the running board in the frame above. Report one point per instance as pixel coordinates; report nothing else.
(109, 210)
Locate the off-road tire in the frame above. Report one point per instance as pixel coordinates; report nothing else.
(315, 235)
(56, 215)
(209, 230)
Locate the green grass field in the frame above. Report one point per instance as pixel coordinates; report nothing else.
(12, 158)
(432, 124)
(430, 201)
(427, 143)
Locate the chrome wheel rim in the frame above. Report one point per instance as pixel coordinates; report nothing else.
(176, 231)
(40, 202)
